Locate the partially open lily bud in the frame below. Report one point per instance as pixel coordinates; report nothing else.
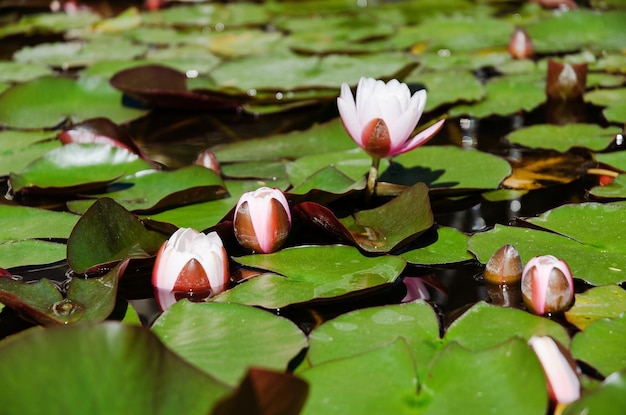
(208, 159)
(547, 285)
(262, 220)
(520, 45)
(189, 265)
(559, 369)
(566, 81)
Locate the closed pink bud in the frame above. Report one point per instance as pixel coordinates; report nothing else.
(559, 369)
(262, 220)
(547, 285)
(208, 159)
(520, 45)
(189, 265)
(383, 117)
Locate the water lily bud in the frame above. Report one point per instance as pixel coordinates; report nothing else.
(520, 45)
(559, 369)
(262, 220)
(504, 267)
(547, 285)
(208, 159)
(189, 265)
(566, 81)
(383, 116)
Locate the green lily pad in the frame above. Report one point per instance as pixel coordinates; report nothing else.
(19, 253)
(444, 167)
(497, 325)
(14, 161)
(615, 113)
(459, 60)
(154, 190)
(597, 303)
(77, 54)
(565, 32)
(450, 247)
(87, 300)
(20, 222)
(463, 33)
(207, 214)
(362, 330)
(607, 399)
(479, 382)
(107, 233)
(614, 190)
(304, 277)
(594, 257)
(49, 101)
(21, 72)
(212, 15)
(382, 381)
(393, 224)
(616, 159)
(255, 169)
(601, 345)
(564, 137)
(330, 180)
(123, 352)
(226, 339)
(77, 167)
(448, 87)
(47, 23)
(240, 43)
(287, 72)
(321, 138)
(507, 95)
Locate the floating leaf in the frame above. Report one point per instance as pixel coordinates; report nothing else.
(89, 300)
(593, 256)
(565, 32)
(304, 277)
(597, 303)
(536, 171)
(30, 252)
(321, 138)
(123, 352)
(155, 190)
(21, 72)
(366, 329)
(77, 167)
(448, 87)
(507, 95)
(601, 345)
(49, 101)
(226, 339)
(614, 190)
(450, 247)
(212, 15)
(20, 222)
(496, 325)
(47, 23)
(108, 233)
(607, 399)
(284, 73)
(564, 137)
(381, 381)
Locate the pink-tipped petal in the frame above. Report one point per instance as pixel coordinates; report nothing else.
(563, 382)
(419, 139)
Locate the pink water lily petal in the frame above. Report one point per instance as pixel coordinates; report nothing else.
(418, 140)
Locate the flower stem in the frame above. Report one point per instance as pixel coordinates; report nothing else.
(371, 178)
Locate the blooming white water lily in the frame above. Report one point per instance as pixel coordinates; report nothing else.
(190, 264)
(262, 220)
(560, 371)
(547, 285)
(383, 116)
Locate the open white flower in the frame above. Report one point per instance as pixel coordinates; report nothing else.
(383, 117)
